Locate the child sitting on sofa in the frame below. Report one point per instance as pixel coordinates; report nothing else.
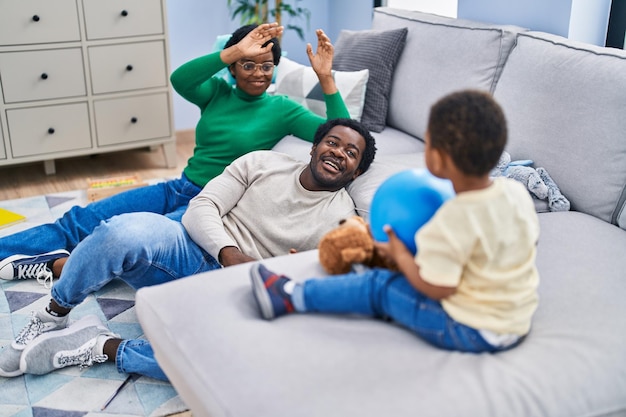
(472, 286)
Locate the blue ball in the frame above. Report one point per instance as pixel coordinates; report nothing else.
(406, 201)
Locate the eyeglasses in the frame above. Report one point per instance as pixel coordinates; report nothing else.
(266, 67)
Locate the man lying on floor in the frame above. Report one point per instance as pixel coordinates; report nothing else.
(264, 204)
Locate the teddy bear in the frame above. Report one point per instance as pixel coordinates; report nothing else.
(347, 245)
(538, 182)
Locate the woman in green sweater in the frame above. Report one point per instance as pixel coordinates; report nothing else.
(234, 121)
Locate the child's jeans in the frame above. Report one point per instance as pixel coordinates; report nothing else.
(387, 294)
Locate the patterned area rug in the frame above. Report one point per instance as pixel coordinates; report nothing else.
(71, 392)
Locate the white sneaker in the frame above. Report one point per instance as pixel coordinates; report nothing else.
(74, 345)
(40, 322)
(10, 362)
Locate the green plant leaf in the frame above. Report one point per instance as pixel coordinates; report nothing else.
(259, 11)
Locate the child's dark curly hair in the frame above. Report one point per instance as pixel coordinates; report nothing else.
(470, 126)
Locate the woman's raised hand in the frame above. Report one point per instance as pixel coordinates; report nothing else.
(253, 43)
(322, 60)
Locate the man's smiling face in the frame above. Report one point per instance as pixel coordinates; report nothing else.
(335, 160)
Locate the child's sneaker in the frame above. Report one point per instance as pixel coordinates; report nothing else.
(74, 345)
(40, 322)
(269, 291)
(31, 267)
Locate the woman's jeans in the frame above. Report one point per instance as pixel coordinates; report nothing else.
(141, 249)
(387, 294)
(169, 198)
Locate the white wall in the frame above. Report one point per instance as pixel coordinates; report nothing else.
(545, 15)
(193, 26)
(581, 20)
(589, 21)
(440, 7)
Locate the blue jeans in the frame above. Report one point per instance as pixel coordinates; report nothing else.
(387, 294)
(141, 249)
(169, 198)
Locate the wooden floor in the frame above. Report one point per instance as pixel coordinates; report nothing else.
(26, 180)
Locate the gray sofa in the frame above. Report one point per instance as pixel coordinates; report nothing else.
(566, 107)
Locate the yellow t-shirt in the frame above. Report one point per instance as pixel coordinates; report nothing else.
(484, 244)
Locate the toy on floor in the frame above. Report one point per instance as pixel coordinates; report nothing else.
(348, 244)
(406, 201)
(538, 182)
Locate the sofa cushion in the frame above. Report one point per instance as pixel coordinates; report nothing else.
(224, 360)
(377, 51)
(392, 141)
(441, 55)
(565, 102)
(301, 84)
(621, 216)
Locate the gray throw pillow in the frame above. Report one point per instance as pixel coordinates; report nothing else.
(378, 51)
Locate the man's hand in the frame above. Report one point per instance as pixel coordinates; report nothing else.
(231, 255)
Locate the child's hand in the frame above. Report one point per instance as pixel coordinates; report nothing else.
(395, 249)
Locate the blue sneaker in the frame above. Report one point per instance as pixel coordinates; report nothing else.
(31, 267)
(269, 291)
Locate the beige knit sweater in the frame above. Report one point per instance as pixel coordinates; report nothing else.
(258, 205)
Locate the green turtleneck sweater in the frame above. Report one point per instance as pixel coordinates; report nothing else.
(233, 123)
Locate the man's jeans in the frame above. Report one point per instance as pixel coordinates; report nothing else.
(142, 249)
(169, 198)
(387, 294)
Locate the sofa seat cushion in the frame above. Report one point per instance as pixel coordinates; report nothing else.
(224, 360)
(565, 103)
(441, 55)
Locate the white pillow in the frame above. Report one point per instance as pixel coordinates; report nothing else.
(299, 82)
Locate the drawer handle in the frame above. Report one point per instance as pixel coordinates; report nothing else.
(133, 120)
(51, 130)
(124, 13)
(129, 67)
(36, 18)
(44, 76)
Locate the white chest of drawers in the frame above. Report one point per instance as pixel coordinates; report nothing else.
(80, 77)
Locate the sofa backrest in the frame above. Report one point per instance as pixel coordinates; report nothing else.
(565, 102)
(441, 55)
